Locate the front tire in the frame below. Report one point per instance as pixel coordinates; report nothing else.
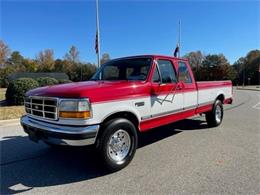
(215, 116)
(117, 144)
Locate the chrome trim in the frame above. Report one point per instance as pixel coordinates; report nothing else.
(161, 114)
(57, 108)
(81, 142)
(119, 145)
(168, 113)
(58, 128)
(43, 98)
(30, 122)
(206, 103)
(190, 107)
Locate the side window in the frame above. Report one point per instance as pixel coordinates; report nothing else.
(167, 71)
(156, 76)
(184, 74)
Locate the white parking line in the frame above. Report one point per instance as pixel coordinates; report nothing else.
(257, 106)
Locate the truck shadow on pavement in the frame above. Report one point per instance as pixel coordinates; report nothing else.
(25, 165)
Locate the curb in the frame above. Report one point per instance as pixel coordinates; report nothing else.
(250, 89)
(9, 121)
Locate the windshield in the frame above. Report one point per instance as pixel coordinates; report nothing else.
(135, 69)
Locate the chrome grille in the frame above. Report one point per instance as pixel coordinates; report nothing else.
(41, 107)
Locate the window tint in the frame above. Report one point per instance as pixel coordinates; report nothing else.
(167, 72)
(135, 69)
(156, 76)
(184, 74)
(110, 73)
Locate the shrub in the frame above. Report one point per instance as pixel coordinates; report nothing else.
(4, 73)
(43, 81)
(62, 81)
(17, 89)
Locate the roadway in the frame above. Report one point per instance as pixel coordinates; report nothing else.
(181, 158)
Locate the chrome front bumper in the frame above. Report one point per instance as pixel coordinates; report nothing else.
(59, 134)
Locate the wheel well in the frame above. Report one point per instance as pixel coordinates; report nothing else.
(127, 115)
(221, 98)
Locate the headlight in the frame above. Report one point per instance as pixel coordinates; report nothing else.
(75, 109)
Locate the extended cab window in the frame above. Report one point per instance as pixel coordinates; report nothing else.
(184, 74)
(167, 72)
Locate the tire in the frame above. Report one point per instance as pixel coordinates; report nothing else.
(215, 116)
(117, 144)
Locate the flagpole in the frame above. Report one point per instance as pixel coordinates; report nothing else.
(179, 53)
(98, 36)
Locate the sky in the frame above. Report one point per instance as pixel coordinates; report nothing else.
(131, 27)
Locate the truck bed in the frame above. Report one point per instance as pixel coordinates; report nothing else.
(212, 84)
(208, 91)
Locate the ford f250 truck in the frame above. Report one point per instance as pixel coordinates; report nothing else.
(125, 96)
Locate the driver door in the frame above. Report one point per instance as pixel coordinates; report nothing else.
(166, 97)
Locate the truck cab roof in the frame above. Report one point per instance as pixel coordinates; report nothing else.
(152, 56)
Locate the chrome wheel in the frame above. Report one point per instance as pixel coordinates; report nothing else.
(218, 114)
(119, 145)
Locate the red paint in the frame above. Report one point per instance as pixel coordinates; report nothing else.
(205, 108)
(228, 101)
(212, 84)
(164, 120)
(115, 91)
(96, 91)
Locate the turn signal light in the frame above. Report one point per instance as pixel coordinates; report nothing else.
(71, 114)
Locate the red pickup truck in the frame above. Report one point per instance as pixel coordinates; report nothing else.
(124, 97)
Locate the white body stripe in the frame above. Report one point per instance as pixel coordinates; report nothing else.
(163, 103)
(151, 106)
(209, 95)
(190, 99)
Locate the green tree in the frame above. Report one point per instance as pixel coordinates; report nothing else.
(71, 64)
(196, 59)
(72, 55)
(30, 65)
(4, 73)
(217, 67)
(4, 53)
(105, 57)
(16, 58)
(88, 71)
(58, 65)
(45, 60)
(16, 61)
(248, 68)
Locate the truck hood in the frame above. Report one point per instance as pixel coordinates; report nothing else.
(96, 91)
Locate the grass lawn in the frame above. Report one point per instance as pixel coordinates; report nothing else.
(11, 112)
(2, 93)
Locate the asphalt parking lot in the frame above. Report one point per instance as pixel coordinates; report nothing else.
(181, 158)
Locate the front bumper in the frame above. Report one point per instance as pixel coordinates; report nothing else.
(59, 134)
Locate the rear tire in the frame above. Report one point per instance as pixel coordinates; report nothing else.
(117, 144)
(215, 116)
